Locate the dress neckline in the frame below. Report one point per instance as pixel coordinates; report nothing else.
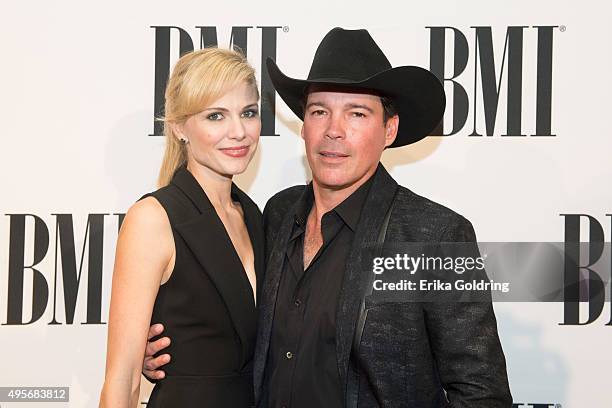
(187, 183)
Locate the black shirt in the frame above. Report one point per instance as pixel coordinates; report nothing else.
(303, 370)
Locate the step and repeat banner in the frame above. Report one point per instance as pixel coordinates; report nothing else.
(523, 152)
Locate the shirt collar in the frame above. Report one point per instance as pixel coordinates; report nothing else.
(304, 205)
(349, 209)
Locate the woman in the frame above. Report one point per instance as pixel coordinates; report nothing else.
(188, 254)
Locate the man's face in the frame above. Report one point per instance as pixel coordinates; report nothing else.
(345, 135)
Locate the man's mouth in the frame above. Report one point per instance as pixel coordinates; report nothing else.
(332, 155)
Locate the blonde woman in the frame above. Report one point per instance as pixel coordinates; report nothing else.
(189, 254)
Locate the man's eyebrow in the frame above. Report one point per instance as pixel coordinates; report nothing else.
(347, 106)
(359, 106)
(315, 103)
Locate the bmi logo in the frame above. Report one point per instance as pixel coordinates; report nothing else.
(474, 60)
(584, 280)
(68, 271)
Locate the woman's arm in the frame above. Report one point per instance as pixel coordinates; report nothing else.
(143, 260)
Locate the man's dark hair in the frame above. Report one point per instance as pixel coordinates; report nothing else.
(389, 110)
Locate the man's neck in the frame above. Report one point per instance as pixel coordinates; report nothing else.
(325, 198)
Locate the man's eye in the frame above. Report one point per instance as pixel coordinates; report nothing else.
(251, 113)
(358, 115)
(215, 116)
(318, 112)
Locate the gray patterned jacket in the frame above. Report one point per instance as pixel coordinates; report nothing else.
(411, 354)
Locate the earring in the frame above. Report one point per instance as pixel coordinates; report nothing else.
(184, 141)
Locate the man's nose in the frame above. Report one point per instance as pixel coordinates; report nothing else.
(335, 130)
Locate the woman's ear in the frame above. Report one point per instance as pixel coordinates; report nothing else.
(178, 130)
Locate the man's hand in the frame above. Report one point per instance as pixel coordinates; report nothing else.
(151, 364)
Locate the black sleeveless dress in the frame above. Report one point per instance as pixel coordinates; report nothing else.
(207, 305)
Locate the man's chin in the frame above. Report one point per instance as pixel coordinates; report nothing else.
(341, 179)
(334, 183)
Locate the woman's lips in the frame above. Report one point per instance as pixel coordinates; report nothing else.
(238, 151)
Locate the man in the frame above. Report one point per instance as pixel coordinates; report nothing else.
(322, 342)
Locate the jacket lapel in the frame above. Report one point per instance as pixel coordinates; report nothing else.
(379, 200)
(254, 223)
(268, 297)
(209, 242)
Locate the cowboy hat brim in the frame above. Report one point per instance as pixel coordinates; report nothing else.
(417, 95)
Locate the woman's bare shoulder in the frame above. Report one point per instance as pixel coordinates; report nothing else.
(147, 213)
(146, 227)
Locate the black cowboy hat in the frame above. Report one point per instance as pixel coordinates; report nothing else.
(352, 58)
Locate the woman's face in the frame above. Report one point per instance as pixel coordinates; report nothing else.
(223, 137)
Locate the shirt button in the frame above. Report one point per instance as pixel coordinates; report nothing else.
(297, 302)
(289, 355)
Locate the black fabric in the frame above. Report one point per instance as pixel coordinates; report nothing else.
(207, 304)
(411, 354)
(352, 58)
(351, 55)
(305, 317)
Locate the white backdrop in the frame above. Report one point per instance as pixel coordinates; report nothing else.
(77, 112)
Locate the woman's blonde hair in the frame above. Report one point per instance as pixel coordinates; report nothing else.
(198, 78)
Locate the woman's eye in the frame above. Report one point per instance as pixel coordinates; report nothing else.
(251, 113)
(215, 116)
